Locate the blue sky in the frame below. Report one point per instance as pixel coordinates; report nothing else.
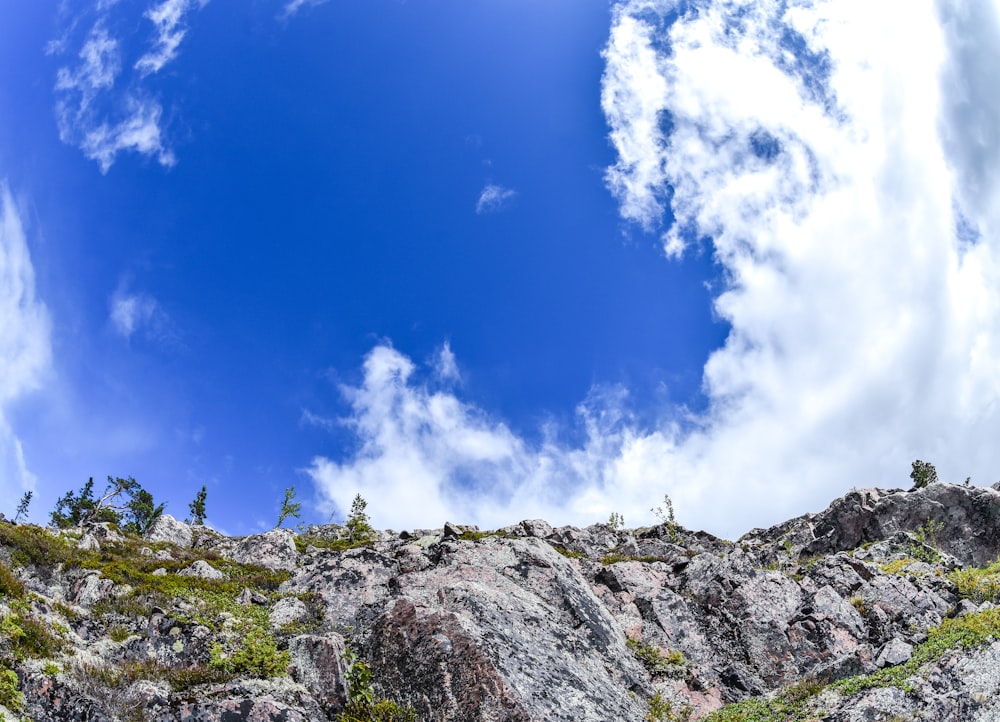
(493, 260)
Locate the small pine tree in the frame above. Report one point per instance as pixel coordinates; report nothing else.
(142, 512)
(22, 507)
(358, 525)
(288, 507)
(923, 474)
(616, 521)
(197, 508)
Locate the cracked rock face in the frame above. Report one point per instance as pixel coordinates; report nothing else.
(527, 623)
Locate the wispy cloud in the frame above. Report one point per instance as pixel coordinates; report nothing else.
(445, 364)
(168, 18)
(25, 343)
(105, 106)
(293, 6)
(842, 161)
(494, 198)
(139, 313)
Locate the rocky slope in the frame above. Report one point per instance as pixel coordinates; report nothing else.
(879, 608)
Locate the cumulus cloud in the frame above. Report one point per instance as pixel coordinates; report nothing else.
(25, 343)
(106, 106)
(494, 198)
(841, 162)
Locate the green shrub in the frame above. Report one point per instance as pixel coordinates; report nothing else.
(362, 705)
(10, 586)
(655, 660)
(978, 585)
(256, 656)
(662, 710)
(10, 695)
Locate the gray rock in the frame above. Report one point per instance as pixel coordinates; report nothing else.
(287, 611)
(273, 550)
(89, 542)
(168, 529)
(896, 651)
(202, 569)
(90, 590)
(537, 528)
(317, 664)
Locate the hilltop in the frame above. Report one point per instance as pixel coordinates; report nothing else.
(879, 607)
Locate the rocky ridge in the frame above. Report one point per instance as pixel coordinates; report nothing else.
(879, 607)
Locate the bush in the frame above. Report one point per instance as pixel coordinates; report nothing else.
(257, 656)
(923, 474)
(10, 695)
(362, 706)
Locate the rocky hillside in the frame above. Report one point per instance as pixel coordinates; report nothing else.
(879, 608)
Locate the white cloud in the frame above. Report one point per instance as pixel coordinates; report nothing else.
(25, 343)
(445, 365)
(842, 159)
(105, 106)
(494, 198)
(293, 6)
(168, 18)
(132, 313)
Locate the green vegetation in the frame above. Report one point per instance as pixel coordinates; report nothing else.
(662, 710)
(10, 586)
(289, 508)
(256, 655)
(793, 703)
(362, 704)
(359, 528)
(896, 566)
(671, 663)
(926, 549)
(616, 522)
(569, 552)
(245, 643)
(665, 513)
(978, 585)
(923, 474)
(10, 695)
(124, 504)
(197, 508)
(22, 506)
(797, 702)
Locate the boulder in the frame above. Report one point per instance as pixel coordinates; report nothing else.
(168, 529)
(274, 550)
(201, 569)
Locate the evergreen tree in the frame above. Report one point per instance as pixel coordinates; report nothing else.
(359, 527)
(197, 508)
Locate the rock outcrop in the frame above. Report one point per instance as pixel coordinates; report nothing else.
(879, 607)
